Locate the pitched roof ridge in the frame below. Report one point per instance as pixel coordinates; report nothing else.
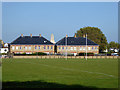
(15, 39)
(31, 40)
(61, 40)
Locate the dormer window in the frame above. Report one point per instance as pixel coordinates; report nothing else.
(45, 41)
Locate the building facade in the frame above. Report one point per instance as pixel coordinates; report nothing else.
(4, 48)
(31, 44)
(76, 45)
(70, 45)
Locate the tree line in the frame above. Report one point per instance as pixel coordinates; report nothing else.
(97, 36)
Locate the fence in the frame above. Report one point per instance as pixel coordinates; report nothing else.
(53, 56)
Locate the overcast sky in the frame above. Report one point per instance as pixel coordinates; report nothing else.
(59, 18)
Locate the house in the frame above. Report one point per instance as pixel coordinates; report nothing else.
(31, 44)
(114, 50)
(76, 45)
(6, 45)
(4, 48)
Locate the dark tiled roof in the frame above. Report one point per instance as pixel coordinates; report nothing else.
(75, 41)
(31, 40)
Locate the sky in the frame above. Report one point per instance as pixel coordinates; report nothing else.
(59, 18)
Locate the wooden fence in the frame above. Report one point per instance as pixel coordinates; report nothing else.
(53, 56)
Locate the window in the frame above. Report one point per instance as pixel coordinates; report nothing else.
(71, 48)
(66, 48)
(45, 41)
(48, 47)
(17, 48)
(26, 48)
(80, 48)
(96, 48)
(29, 48)
(13, 47)
(62, 47)
(35, 47)
(83, 48)
(92, 48)
(59, 47)
(88, 48)
(20, 47)
(39, 47)
(74, 48)
(51, 47)
(44, 47)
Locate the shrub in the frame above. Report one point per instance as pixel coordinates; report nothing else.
(39, 53)
(84, 54)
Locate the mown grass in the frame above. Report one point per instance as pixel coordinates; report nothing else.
(50, 73)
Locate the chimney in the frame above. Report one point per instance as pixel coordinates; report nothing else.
(30, 35)
(39, 35)
(21, 35)
(66, 36)
(2, 42)
(75, 36)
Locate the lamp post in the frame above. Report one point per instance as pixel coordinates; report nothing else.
(86, 46)
(66, 47)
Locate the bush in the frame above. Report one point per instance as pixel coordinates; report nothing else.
(39, 53)
(84, 54)
(4, 53)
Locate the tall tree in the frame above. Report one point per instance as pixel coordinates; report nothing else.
(113, 44)
(94, 34)
(1, 41)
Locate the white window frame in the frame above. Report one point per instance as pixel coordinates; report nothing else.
(25, 47)
(81, 48)
(75, 48)
(84, 48)
(16, 47)
(29, 48)
(71, 48)
(13, 47)
(89, 48)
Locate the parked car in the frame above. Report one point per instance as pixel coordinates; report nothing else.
(114, 54)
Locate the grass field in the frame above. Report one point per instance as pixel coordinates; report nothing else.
(60, 73)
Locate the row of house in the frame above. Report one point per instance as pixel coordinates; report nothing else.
(32, 44)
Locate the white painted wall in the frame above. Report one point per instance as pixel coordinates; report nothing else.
(3, 50)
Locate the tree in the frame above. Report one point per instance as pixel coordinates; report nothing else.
(113, 44)
(94, 34)
(1, 41)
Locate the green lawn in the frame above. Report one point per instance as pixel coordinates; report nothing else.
(50, 73)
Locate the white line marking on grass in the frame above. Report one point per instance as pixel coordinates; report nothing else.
(68, 69)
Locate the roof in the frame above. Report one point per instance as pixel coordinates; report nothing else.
(75, 41)
(31, 40)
